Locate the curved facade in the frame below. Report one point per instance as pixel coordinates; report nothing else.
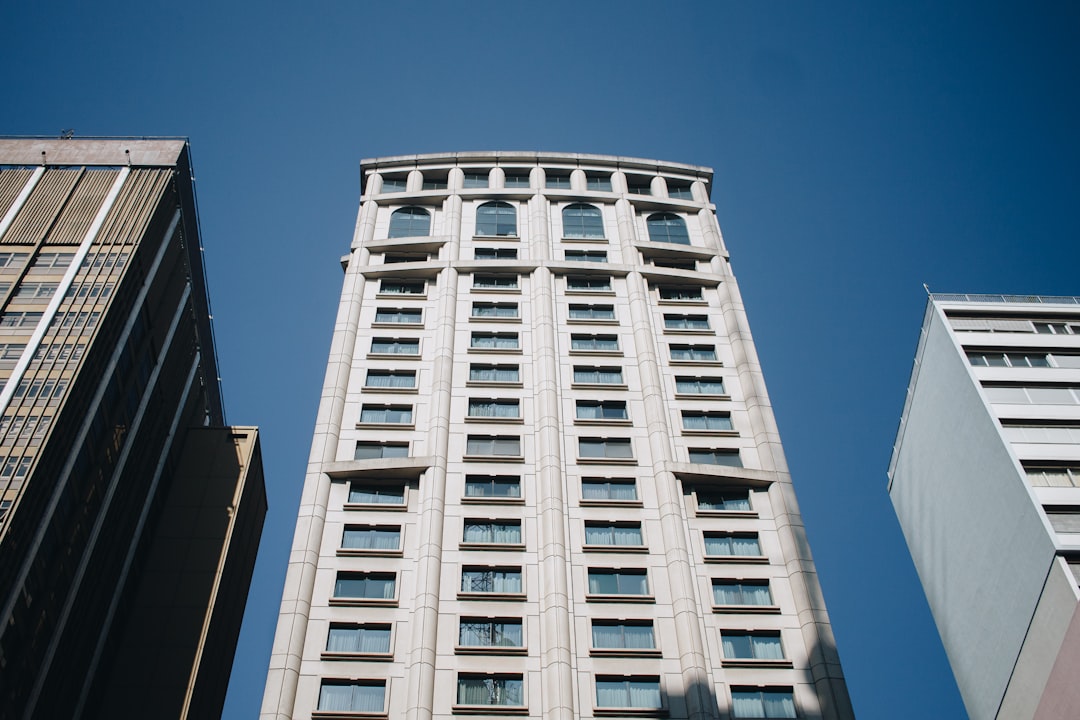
(546, 479)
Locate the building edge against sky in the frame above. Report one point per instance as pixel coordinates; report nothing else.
(130, 515)
(984, 479)
(546, 479)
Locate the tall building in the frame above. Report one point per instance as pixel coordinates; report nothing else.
(984, 478)
(546, 479)
(129, 513)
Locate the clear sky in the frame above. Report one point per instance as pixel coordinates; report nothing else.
(861, 149)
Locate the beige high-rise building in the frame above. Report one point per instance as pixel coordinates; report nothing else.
(546, 479)
(985, 478)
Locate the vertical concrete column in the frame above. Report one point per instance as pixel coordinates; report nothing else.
(557, 671)
(286, 656)
(424, 622)
(577, 180)
(618, 182)
(497, 178)
(658, 186)
(455, 179)
(696, 675)
(700, 193)
(827, 677)
(414, 183)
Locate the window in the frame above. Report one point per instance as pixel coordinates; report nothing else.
(686, 322)
(410, 222)
(434, 183)
(48, 390)
(12, 351)
(368, 494)
(88, 291)
(618, 582)
(681, 292)
(41, 290)
(52, 261)
(491, 690)
(106, 260)
(486, 253)
(592, 312)
(516, 180)
(494, 373)
(1063, 518)
(399, 316)
(404, 257)
(617, 489)
(631, 692)
(706, 421)
(608, 448)
(582, 222)
(5, 507)
(601, 410)
(496, 219)
(504, 445)
(595, 256)
(674, 263)
(394, 184)
(667, 228)
(596, 181)
(395, 346)
(387, 414)
(402, 287)
(1033, 395)
(588, 284)
(487, 632)
(693, 353)
(365, 586)
(755, 703)
(723, 501)
(12, 260)
(368, 696)
(376, 450)
(15, 319)
(699, 385)
(1001, 359)
(475, 180)
(77, 320)
(1035, 433)
(637, 185)
(358, 639)
(1052, 328)
(390, 379)
(623, 635)
(495, 282)
(504, 581)
(495, 310)
(613, 534)
(730, 545)
(714, 456)
(598, 375)
(738, 592)
(751, 646)
(679, 190)
(594, 343)
(510, 408)
(493, 486)
(500, 532)
(16, 467)
(1055, 476)
(494, 341)
(557, 181)
(371, 538)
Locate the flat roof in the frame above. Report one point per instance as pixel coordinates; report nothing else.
(136, 152)
(534, 157)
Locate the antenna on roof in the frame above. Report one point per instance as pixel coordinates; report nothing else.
(66, 134)
(926, 288)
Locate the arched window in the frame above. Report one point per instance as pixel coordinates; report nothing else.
(667, 228)
(410, 222)
(496, 218)
(582, 221)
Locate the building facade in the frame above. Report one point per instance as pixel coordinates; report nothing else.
(985, 479)
(129, 514)
(546, 479)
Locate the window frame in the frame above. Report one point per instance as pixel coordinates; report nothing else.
(762, 691)
(361, 422)
(499, 208)
(320, 712)
(395, 233)
(328, 654)
(492, 570)
(609, 482)
(367, 484)
(494, 527)
(583, 230)
(385, 372)
(698, 380)
(496, 403)
(603, 405)
(578, 307)
(378, 343)
(598, 372)
(497, 306)
(477, 480)
(491, 708)
(460, 648)
(761, 558)
(752, 661)
(494, 368)
(666, 220)
(574, 287)
(632, 710)
(365, 600)
(397, 312)
(383, 294)
(349, 551)
(619, 597)
(492, 456)
(384, 445)
(708, 416)
(742, 584)
(642, 545)
(498, 286)
(596, 338)
(496, 337)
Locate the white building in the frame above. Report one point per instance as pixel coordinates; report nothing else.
(546, 479)
(984, 479)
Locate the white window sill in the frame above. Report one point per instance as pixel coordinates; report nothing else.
(615, 548)
(495, 319)
(368, 552)
(485, 419)
(491, 500)
(620, 598)
(606, 461)
(762, 609)
(753, 663)
(504, 547)
(363, 602)
(600, 421)
(495, 351)
(700, 396)
(356, 656)
(376, 506)
(382, 389)
(505, 597)
(740, 559)
(594, 502)
(624, 652)
(393, 356)
(489, 650)
(493, 383)
(489, 710)
(494, 458)
(385, 426)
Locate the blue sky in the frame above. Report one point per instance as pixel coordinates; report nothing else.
(860, 149)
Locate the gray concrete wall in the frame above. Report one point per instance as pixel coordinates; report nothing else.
(974, 532)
